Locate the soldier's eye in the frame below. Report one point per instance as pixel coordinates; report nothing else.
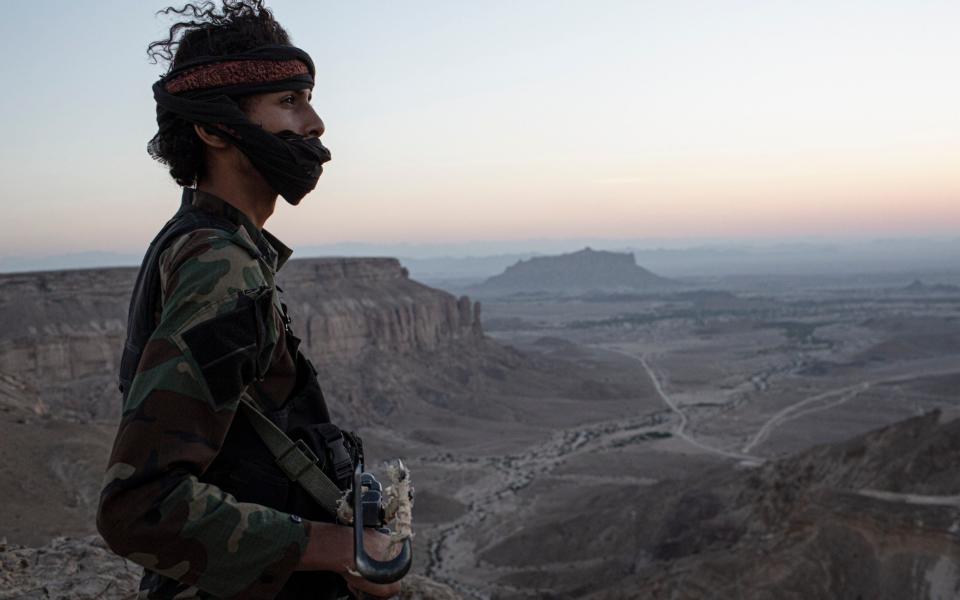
(288, 99)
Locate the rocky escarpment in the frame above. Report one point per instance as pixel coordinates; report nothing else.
(60, 338)
(575, 273)
(61, 332)
(345, 306)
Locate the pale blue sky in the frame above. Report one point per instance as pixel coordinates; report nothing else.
(521, 119)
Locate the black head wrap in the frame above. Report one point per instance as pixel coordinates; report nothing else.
(202, 91)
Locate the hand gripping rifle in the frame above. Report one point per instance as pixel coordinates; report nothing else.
(370, 510)
(367, 504)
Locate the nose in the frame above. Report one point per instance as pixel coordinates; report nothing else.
(315, 127)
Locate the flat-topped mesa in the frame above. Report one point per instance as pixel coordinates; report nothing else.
(584, 271)
(344, 306)
(61, 332)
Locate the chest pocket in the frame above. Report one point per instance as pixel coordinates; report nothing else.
(233, 349)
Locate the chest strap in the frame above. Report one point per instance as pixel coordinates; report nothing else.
(295, 459)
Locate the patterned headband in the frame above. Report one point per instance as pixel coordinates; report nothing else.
(235, 72)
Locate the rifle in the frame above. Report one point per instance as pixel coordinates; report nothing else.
(369, 511)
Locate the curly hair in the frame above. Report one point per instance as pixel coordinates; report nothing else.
(239, 25)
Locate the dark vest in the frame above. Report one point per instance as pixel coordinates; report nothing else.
(244, 466)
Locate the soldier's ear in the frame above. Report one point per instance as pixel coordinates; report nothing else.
(209, 137)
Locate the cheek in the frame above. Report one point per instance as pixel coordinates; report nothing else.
(272, 117)
(279, 120)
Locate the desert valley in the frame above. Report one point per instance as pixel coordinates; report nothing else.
(577, 427)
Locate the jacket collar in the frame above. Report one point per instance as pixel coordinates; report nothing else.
(276, 252)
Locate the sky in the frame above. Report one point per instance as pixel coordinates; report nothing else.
(522, 119)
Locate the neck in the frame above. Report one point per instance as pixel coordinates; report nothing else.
(250, 195)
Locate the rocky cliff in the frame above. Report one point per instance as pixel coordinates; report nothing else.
(367, 326)
(343, 307)
(60, 338)
(575, 273)
(61, 332)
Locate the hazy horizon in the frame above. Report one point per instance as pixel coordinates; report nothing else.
(478, 259)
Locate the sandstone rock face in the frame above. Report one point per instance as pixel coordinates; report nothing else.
(362, 321)
(342, 307)
(61, 332)
(60, 337)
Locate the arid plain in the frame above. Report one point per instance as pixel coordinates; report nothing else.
(724, 375)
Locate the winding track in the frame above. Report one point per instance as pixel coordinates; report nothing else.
(816, 403)
(680, 430)
(452, 553)
(804, 407)
(915, 499)
(796, 410)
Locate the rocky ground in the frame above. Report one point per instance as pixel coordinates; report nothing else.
(84, 569)
(81, 568)
(875, 517)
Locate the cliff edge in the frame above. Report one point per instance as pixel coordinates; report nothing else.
(61, 332)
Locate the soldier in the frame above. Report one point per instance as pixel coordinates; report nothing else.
(191, 492)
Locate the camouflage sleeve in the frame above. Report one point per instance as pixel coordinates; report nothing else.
(207, 346)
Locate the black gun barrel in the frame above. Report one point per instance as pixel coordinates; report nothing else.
(373, 570)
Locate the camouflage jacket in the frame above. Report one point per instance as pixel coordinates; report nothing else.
(221, 331)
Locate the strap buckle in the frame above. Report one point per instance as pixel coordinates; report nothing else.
(342, 463)
(311, 458)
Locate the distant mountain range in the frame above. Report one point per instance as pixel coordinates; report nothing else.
(576, 273)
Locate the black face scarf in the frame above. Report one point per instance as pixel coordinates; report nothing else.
(202, 91)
